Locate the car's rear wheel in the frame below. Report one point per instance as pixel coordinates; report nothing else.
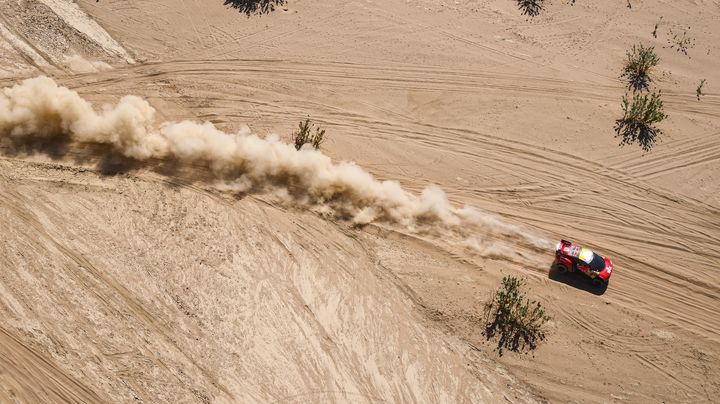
(559, 268)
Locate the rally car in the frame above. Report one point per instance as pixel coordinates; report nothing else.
(570, 257)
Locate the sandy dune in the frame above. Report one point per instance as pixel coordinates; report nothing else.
(156, 287)
(164, 291)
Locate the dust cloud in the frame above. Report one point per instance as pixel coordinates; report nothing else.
(40, 109)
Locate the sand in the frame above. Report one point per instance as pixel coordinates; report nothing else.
(143, 286)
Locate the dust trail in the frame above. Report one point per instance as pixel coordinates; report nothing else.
(40, 109)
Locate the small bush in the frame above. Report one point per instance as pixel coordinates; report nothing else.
(639, 118)
(681, 41)
(699, 89)
(638, 66)
(518, 322)
(530, 7)
(305, 135)
(657, 25)
(254, 6)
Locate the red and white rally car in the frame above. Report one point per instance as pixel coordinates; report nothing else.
(570, 257)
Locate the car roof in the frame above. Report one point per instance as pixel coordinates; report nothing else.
(580, 252)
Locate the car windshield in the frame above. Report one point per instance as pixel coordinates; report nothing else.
(597, 264)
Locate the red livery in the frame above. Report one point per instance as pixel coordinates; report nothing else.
(571, 257)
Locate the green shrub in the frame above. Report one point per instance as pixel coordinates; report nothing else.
(639, 118)
(305, 135)
(638, 66)
(518, 322)
(530, 7)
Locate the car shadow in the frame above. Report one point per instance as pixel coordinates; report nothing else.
(577, 280)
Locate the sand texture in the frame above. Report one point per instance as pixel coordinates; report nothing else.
(139, 266)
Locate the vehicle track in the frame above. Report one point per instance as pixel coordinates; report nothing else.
(631, 223)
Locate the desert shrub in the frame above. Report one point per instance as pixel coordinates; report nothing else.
(518, 322)
(640, 115)
(530, 7)
(254, 6)
(305, 135)
(699, 89)
(681, 41)
(638, 66)
(657, 25)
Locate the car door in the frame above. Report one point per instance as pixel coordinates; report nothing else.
(583, 267)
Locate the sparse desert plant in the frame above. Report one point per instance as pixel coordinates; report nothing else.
(657, 25)
(638, 67)
(305, 135)
(250, 7)
(640, 115)
(530, 7)
(517, 321)
(681, 41)
(699, 89)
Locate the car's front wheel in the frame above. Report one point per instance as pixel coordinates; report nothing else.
(599, 283)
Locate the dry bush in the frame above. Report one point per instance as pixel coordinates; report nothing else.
(640, 115)
(305, 135)
(530, 7)
(638, 67)
(250, 7)
(681, 41)
(657, 25)
(699, 89)
(518, 322)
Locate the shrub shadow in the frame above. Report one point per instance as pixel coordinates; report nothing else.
(512, 340)
(530, 8)
(577, 280)
(250, 7)
(515, 320)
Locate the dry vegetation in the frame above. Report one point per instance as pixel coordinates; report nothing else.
(640, 116)
(681, 41)
(699, 89)
(305, 135)
(250, 7)
(516, 321)
(530, 7)
(642, 112)
(638, 67)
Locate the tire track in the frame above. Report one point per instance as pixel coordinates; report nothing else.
(651, 233)
(118, 296)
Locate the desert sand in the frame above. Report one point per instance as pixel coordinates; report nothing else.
(166, 279)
